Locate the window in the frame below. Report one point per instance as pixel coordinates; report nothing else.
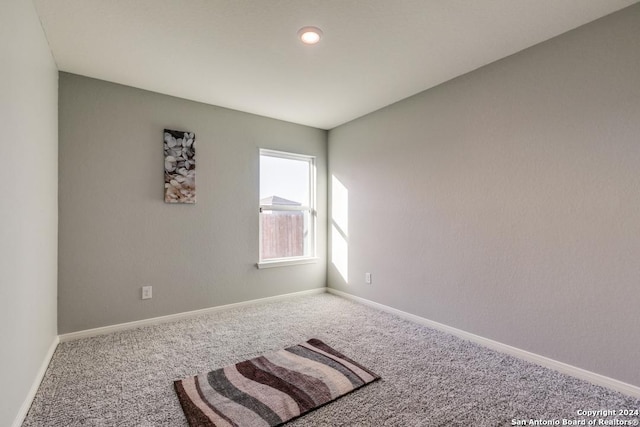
(287, 208)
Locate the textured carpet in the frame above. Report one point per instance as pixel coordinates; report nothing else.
(271, 389)
(428, 378)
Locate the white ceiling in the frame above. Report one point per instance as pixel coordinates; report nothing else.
(244, 54)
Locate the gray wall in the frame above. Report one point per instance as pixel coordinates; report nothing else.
(29, 203)
(116, 232)
(506, 202)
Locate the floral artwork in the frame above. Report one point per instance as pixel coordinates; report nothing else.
(179, 167)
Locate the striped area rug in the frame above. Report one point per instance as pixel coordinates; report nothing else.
(271, 389)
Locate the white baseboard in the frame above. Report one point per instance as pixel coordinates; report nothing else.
(564, 368)
(28, 400)
(172, 317)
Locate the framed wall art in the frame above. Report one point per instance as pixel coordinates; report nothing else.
(179, 166)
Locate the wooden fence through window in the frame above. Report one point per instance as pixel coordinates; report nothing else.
(282, 234)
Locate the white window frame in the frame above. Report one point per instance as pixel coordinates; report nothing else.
(311, 209)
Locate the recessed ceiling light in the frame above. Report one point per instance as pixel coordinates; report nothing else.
(310, 35)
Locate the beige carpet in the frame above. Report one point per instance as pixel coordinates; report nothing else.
(428, 378)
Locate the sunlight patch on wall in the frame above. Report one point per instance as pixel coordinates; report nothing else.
(340, 227)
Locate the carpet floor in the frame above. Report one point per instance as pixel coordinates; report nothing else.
(429, 378)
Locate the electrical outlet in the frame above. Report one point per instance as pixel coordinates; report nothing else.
(367, 278)
(147, 292)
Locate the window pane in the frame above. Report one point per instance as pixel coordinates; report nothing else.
(284, 234)
(284, 178)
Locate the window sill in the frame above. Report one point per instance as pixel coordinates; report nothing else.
(286, 262)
